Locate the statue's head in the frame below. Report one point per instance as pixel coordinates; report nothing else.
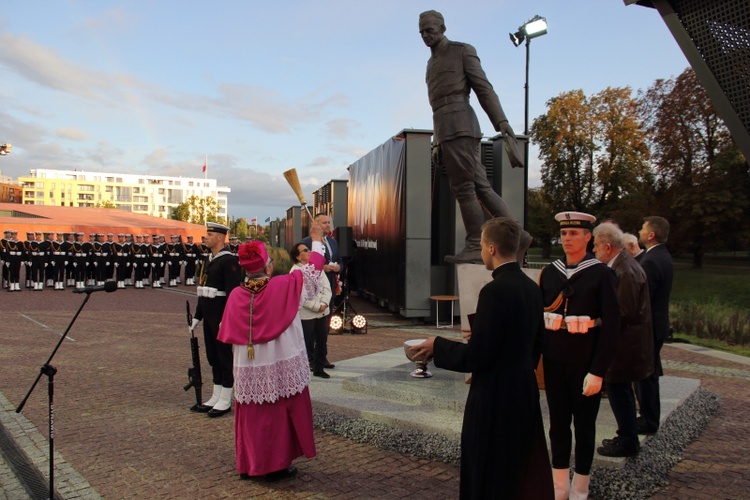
(431, 27)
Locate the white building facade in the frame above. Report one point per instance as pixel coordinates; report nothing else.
(154, 195)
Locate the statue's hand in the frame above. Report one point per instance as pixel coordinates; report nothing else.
(507, 130)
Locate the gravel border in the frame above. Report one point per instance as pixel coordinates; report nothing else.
(638, 478)
(642, 475)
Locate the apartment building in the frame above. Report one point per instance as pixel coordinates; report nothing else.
(154, 195)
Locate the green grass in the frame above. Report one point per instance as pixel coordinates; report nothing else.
(712, 285)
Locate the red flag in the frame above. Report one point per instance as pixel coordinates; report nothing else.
(204, 167)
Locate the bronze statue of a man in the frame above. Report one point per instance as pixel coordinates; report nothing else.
(453, 70)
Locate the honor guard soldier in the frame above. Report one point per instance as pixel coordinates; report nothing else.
(88, 249)
(70, 269)
(582, 319)
(100, 259)
(234, 245)
(190, 251)
(141, 267)
(121, 257)
(57, 260)
(49, 238)
(14, 258)
(3, 258)
(80, 260)
(157, 263)
(220, 274)
(130, 242)
(111, 266)
(27, 258)
(174, 254)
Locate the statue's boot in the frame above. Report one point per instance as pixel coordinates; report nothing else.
(473, 217)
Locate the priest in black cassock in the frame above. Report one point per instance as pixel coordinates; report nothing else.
(503, 450)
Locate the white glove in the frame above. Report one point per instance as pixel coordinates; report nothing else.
(194, 324)
(591, 384)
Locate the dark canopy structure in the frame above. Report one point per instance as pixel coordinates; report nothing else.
(714, 35)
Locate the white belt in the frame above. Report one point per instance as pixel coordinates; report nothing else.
(209, 292)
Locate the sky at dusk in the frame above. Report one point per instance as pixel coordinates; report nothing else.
(152, 87)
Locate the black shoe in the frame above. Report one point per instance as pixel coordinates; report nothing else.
(281, 474)
(321, 374)
(609, 442)
(329, 365)
(617, 450)
(201, 408)
(643, 427)
(212, 413)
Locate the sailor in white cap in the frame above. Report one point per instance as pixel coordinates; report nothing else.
(582, 318)
(220, 273)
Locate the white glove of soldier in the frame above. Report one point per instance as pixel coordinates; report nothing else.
(591, 384)
(194, 324)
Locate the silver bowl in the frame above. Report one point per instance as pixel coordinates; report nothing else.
(421, 370)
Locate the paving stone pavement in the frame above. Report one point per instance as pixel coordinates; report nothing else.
(121, 415)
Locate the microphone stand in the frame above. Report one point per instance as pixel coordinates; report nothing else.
(50, 372)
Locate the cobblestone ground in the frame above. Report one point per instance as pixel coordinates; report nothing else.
(122, 421)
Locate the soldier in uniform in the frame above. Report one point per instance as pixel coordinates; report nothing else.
(57, 261)
(577, 352)
(129, 241)
(70, 269)
(99, 259)
(174, 254)
(88, 249)
(3, 257)
(233, 245)
(121, 258)
(220, 273)
(80, 258)
(49, 237)
(26, 244)
(14, 258)
(157, 262)
(111, 266)
(190, 251)
(141, 264)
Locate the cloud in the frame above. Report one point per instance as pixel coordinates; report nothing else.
(341, 128)
(108, 22)
(72, 133)
(47, 68)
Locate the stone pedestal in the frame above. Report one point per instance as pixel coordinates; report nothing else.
(471, 279)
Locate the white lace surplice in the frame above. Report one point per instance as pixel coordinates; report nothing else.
(280, 368)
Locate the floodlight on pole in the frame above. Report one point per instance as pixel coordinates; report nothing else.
(5, 149)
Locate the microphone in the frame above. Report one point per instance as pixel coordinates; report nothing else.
(108, 286)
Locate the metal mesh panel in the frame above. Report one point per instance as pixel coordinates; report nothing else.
(720, 30)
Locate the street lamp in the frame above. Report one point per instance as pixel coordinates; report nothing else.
(534, 27)
(5, 149)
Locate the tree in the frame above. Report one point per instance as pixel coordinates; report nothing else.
(565, 136)
(198, 210)
(106, 204)
(541, 220)
(702, 178)
(595, 155)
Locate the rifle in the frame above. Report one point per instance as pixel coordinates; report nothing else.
(194, 373)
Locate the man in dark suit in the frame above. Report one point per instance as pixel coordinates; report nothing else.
(657, 263)
(634, 359)
(332, 266)
(453, 71)
(503, 450)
